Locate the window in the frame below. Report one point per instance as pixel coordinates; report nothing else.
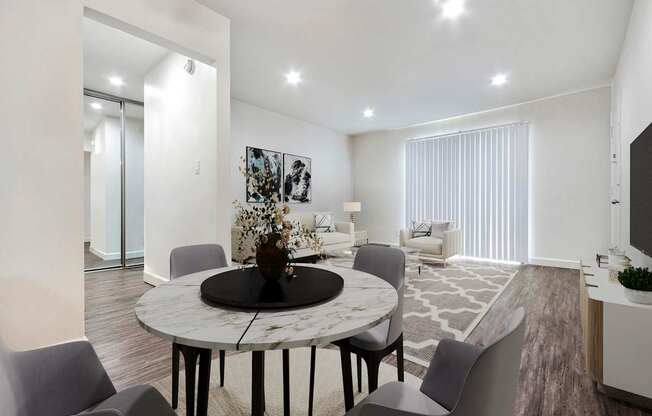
(479, 180)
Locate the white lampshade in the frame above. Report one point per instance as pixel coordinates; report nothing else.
(352, 207)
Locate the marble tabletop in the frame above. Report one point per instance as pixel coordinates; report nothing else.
(175, 311)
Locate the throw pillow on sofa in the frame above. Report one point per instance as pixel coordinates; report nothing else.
(437, 228)
(324, 222)
(421, 229)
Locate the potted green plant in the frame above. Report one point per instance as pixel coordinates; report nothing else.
(637, 283)
(274, 237)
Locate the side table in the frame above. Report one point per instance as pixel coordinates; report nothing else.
(360, 238)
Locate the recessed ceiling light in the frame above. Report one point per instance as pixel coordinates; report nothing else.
(368, 113)
(117, 81)
(293, 78)
(498, 80)
(452, 9)
(96, 106)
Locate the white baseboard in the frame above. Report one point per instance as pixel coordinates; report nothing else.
(561, 263)
(153, 278)
(115, 255)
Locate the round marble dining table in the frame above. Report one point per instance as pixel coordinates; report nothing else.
(175, 311)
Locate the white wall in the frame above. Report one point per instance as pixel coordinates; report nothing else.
(135, 184)
(41, 163)
(569, 173)
(198, 32)
(103, 177)
(180, 134)
(105, 187)
(331, 154)
(631, 104)
(41, 166)
(87, 196)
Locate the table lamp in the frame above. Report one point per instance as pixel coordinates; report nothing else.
(352, 208)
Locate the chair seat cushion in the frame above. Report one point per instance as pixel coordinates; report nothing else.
(334, 238)
(137, 401)
(401, 396)
(427, 245)
(374, 339)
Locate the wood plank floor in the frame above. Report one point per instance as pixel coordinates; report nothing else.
(552, 378)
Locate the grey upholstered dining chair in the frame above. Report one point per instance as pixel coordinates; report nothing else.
(68, 379)
(187, 260)
(373, 345)
(462, 380)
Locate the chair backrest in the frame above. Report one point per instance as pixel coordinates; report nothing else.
(7, 394)
(59, 380)
(192, 259)
(388, 264)
(491, 386)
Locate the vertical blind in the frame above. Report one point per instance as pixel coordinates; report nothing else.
(479, 180)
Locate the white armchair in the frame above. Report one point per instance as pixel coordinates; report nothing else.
(437, 247)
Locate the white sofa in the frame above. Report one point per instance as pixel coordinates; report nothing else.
(342, 238)
(433, 247)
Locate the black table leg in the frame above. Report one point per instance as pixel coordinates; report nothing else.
(359, 371)
(286, 382)
(257, 383)
(175, 375)
(205, 357)
(347, 379)
(190, 356)
(400, 363)
(311, 394)
(222, 361)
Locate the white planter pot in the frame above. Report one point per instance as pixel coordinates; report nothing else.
(638, 296)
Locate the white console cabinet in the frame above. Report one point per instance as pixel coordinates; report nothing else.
(617, 336)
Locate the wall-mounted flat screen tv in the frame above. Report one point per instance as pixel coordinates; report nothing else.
(640, 210)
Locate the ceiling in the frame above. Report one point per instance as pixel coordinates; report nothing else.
(92, 116)
(110, 52)
(401, 58)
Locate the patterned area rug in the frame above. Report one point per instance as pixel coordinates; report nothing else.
(445, 302)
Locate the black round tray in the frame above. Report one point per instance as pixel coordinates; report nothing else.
(248, 289)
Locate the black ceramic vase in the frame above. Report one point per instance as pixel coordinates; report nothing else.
(272, 261)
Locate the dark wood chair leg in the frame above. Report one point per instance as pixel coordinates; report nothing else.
(359, 371)
(190, 356)
(176, 357)
(258, 383)
(347, 382)
(222, 362)
(203, 388)
(286, 382)
(311, 393)
(373, 364)
(400, 364)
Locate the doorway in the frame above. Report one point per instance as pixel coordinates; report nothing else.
(115, 66)
(113, 177)
(150, 126)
